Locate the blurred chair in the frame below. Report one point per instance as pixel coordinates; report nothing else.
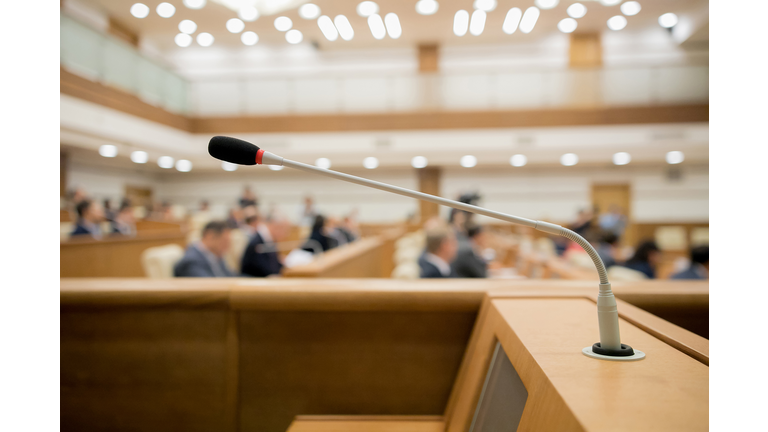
(178, 212)
(619, 273)
(671, 238)
(158, 261)
(407, 270)
(196, 223)
(66, 229)
(139, 212)
(239, 241)
(700, 236)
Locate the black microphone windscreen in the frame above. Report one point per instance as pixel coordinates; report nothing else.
(233, 150)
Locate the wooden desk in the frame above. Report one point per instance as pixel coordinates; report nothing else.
(367, 424)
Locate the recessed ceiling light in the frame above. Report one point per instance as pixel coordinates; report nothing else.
(140, 10)
(205, 39)
(668, 20)
(183, 40)
(617, 23)
(367, 8)
(569, 159)
(675, 157)
(327, 27)
(187, 26)
(294, 36)
(166, 10)
(610, 2)
(468, 161)
(376, 25)
(276, 167)
(370, 162)
(283, 23)
(183, 165)
(460, 23)
(630, 8)
(227, 166)
(485, 5)
(530, 17)
(546, 4)
(235, 25)
(621, 158)
(309, 11)
(518, 160)
(248, 13)
(393, 25)
(576, 10)
(426, 7)
(249, 38)
(165, 162)
(477, 23)
(512, 20)
(567, 25)
(108, 150)
(323, 163)
(344, 27)
(139, 157)
(419, 162)
(194, 4)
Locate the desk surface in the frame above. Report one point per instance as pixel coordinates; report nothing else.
(367, 424)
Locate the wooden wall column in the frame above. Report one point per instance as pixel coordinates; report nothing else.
(429, 182)
(428, 76)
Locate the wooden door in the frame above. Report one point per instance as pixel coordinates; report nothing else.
(604, 196)
(139, 196)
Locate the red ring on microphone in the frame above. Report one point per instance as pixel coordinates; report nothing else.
(259, 154)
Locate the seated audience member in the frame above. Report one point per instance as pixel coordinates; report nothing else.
(307, 212)
(606, 248)
(335, 232)
(260, 258)
(583, 222)
(248, 199)
(318, 241)
(441, 250)
(205, 258)
(89, 216)
(349, 229)
(109, 213)
(699, 268)
(124, 223)
(613, 221)
(235, 218)
(645, 259)
(469, 262)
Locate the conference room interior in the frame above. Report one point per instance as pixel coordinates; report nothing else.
(201, 294)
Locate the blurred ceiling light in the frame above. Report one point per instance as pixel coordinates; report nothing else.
(344, 27)
(139, 157)
(249, 38)
(108, 150)
(327, 27)
(518, 160)
(485, 5)
(419, 162)
(235, 25)
(546, 4)
(610, 2)
(309, 11)
(569, 159)
(166, 10)
(248, 13)
(205, 39)
(529, 19)
(377, 26)
(426, 7)
(468, 161)
(367, 8)
(140, 10)
(276, 167)
(183, 40)
(576, 10)
(567, 25)
(187, 26)
(370, 162)
(393, 25)
(460, 23)
(226, 166)
(194, 4)
(617, 23)
(630, 8)
(668, 20)
(294, 36)
(621, 158)
(323, 163)
(675, 157)
(477, 23)
(183, 165)
(283, 23)
(512, 20)
(165, 162)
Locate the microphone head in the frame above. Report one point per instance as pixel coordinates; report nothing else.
(233, 150)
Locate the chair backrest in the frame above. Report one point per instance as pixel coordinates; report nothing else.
(406, 270)
(158, 261)
(66, 230)
(671, 238)
(619, 273)
(700, 236)
(239, 241)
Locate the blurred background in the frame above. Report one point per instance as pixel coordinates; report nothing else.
(589, 114)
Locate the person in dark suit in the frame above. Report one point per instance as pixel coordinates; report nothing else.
(260, 258)
(645, 259)
(468, 262)
(205, 258)
(699, 268)
(319, 241)
(89, 216)
(441, 250)
(124, 223)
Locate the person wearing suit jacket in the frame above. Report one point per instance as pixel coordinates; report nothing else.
(205, 258)
(318, 238)
(260, 258)
(89, 216)
(468, 262)
(699, 268)
(441, 250)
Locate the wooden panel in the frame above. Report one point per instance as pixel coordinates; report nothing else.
(367, 424)
(428, 58)
(63, 164)
(122, 32)
(149, 225)
(362, 258)
(585, 50)
(606, 195)
(429, 183)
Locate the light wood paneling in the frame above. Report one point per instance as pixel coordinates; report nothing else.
(122, 32)
(585, 50)
(428, 58)
(367, 424)
(429, 183)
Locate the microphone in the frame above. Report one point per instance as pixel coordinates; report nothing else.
(241, 152)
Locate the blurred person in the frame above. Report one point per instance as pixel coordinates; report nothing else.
(613, 221)
(205, 258)
(235, 218)
(583, 222)
(124, 222)
(89, 216)
(109, 212)
(607, 248)
(699, 268)
(441, 250)
(645, 259)
(248, 198)
(350, 229)
(335, 232)
(307, 213)
(318, 236)
(260, 258)
(204, 206)
(469, 262)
